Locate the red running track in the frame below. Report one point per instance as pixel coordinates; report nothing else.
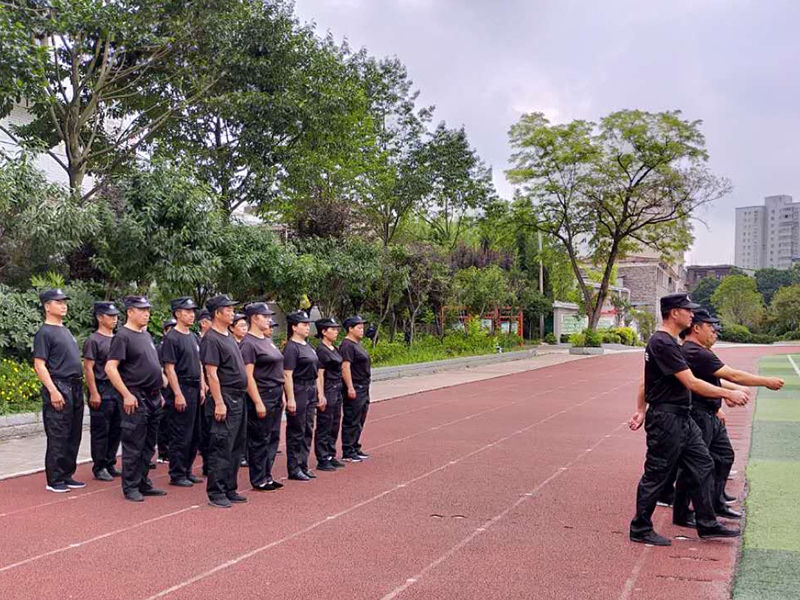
(516, 487)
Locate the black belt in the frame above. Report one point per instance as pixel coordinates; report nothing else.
(671, 408)
(69, 380)
(189, 381)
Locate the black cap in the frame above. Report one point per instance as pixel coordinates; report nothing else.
(299, 316)
(56, 294)
(257, 308)
(203, 314)
(273, 323)
(105, 308)
(218, 302)
(184, 302)
(326, 323)
(677, 301)
(169, 323)
(353, 321)
(701, 315)
(238, 317)
(136, 302)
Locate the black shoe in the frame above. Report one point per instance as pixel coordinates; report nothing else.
(351, 458)
(277, 484)
(58, 488)
(220, 502)
(113, 471)
(299, 476)
(724, 511)
(651, 537)
(181, 483)
(689, 522)
(728, 499)
(194, 478)
(309, 473)
(362, 455)
(134, 496)
(103, 475)
(719, 531)
(237, 498)
(74, 485)
(325, 466)
(151, 491)
(267, 486)
(152, 465)
(163, 460)
(337, 463)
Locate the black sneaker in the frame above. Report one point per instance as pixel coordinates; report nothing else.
(299, 476)
(113, 471)
(309, 473)
(58, 488)
(73, 484)
(651, 537)
(337, 463)
(194, 478)
(134, 496)
(267, 486)
(237, 498)
(219, 502)
(151, 491)
(325, 466)
(103, 475)
(277, 484)
(354, 458)
(718, 532)
(181, 483)
(362, 455)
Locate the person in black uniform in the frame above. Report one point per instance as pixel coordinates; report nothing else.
(57, 362)
(356, 373)
(707, 366)
(103, 398)
(165, 427)
(227, 380)
(204, 324)
(672, 436)
(180, 353)
(300, 369)
(239, 327)
(135, 372)
(328, 419)
(264, 364)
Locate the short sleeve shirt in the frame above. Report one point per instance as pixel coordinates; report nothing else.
(223, 352)
(360, 362)
(96, 348)
(139, 366)
(703, 363)
(58, 348)
(268, 360)
(331, 361)
(663, 358)
(301, 360)
(183, 351)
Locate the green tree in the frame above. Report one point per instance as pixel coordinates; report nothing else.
(784, 312)
(769, 281)
(738, 302)
(703, 292)
(482, 290)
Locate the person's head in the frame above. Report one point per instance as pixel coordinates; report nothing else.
(354, 326)
(298, 324)
(204, 320)
(703, 329)
(183, 310)
(54, 303)
(221, 310)
(239, 325)
(327, 330)
(677, 310)
(138, 311)
(258, 317)
(167, 325)
(106, 314)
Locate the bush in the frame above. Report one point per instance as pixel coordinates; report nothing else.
(593, 338)
(19, 388)
(763, 338)
(791, 336)
(611, 338)
(565, 338)
(627, 334)
(578, 340)
(736, 333)
(550, 338)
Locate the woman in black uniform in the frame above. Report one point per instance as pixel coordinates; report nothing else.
(239, 327)
(328, 419)
(300, 369)
(264, 365)
(356, 375)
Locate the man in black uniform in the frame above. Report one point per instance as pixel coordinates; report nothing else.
(356, 373)
(134, 370)
(672, 436)
(204, 323)
(165, 427)
(227, 380)
(57, 362)
(103, 398)
(180, 353)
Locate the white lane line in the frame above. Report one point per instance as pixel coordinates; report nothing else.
(794, 364)
(94, 539)
(328, 519)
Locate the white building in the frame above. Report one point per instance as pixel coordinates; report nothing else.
(768, 236)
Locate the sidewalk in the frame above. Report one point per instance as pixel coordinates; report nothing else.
(22, 456)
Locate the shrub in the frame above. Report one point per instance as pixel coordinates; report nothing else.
(578, 340)
(627, 334)
(736, 333)
(593, 338)
(565, 338)
(763, 338)
(19, 388)
(550, 338)
(791, 336)
(611, 338)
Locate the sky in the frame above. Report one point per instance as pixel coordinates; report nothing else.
(734, 64)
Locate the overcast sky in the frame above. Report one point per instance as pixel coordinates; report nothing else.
(734, 64)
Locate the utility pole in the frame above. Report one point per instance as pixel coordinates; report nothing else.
(541, 286)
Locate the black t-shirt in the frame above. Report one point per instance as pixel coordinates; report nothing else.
(183, 351)
(331, 361)
(662, 359)
(223, 352)
(268, 360)
(703, 363)
(96, 348)
(358, 357)
(138, 359)
(301, 360)
(58, 348)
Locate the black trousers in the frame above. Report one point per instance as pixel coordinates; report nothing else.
(300, 426)
(205, 432)
(674, 439)
(64, 429)
(328, 423)
(165, 424)
(226, 444)
(715, 437)
(105, 428)
(264, 435)
(355, 415)
(139, 434)
(184, 432)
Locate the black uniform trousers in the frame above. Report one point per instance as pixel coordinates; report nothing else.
(355, 415)
(184, 430)
(165, 424)
(139, 435)
(673, 438)
(300, 425)
(64, 429)
(226, 444)
(105, 428)
(328, 423)
(715, 437)
(205, 431)
(264, 435)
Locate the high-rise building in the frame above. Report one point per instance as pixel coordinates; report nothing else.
(768, 236)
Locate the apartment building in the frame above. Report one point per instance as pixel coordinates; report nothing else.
(768, 236)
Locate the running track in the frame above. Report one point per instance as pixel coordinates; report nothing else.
(515, 487)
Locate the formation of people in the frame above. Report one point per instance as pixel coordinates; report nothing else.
(689, 454)
(220, 394)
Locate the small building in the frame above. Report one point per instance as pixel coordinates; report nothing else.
(695, 273)
(649, 278)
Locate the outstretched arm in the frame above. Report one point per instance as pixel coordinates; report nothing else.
(745, 378)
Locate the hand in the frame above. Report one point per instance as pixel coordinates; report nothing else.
(322, 403)
(721, 416)
(180, 402)
(291, 406)
(203, 392)
(130, 404)
(57, 400)
(351, 393)
(774, 383)
(736, 398)
(220, 412)
(636, 420)
(261, 410)
(95, 400)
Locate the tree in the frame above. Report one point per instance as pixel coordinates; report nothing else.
(784, 312)
(738, 302)
(633, 180)
(482, 290)
(703, 291)
(769, 281)
(428, 274)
